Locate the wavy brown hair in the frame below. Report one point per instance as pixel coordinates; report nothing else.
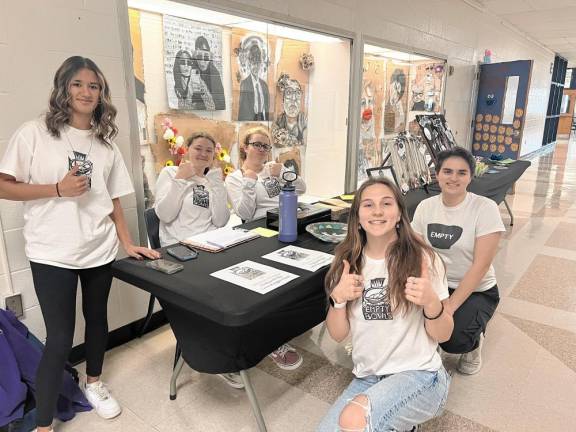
(59, 112)
(403, 257)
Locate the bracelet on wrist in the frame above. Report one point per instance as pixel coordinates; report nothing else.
(337, 305)
(435, 317)
(58, 191)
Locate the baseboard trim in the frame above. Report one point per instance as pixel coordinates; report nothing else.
(121, 335)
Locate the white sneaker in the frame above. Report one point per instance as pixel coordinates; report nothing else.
(101, 400)
(233, 379)
(471, 363)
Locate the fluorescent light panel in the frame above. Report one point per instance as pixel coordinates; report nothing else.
(393, 54)
(217, 18)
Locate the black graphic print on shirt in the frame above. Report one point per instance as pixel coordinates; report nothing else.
(443, 236)
(200, 196)
(85, 166)
(376, 300)
(272, 186)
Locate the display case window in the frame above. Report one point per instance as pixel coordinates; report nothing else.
(396, 88)
(201, 70)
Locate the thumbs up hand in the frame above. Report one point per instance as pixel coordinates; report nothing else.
(419, 289)
(349, 287)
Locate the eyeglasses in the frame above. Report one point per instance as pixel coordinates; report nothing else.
(202, 55)
(261, 146)
(186, 62)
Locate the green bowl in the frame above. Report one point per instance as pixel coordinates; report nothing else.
(331, 232)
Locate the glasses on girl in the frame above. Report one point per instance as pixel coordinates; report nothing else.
(261, 146)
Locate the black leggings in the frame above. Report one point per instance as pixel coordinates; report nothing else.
(470, 320)
(56, 290)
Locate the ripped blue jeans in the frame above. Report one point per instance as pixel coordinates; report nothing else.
(396, 402)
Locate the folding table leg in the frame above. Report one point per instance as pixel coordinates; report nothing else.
(175, 374)
(253, 401)
(509, 212)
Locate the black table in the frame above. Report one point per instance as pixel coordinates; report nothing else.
(493, 186)
(221, 327)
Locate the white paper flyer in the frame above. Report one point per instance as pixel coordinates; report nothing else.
(254, 276)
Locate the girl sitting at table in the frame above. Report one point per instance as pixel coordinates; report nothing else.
(191, 197)
(253, 189)
(464, 228)
(386, 288)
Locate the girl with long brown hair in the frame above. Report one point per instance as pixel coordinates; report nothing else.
(70, 175)
(386, 289)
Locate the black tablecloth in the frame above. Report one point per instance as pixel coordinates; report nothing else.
(493, 186)
(222, 327)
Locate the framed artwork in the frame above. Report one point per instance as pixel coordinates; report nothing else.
(386, 172)
(193, 65)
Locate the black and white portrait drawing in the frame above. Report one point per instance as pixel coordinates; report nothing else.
(193, 65)
(246, 272)
(395, 112)
(290, 127)
(254, 99)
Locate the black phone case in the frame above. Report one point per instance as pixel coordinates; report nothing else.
(182, 253)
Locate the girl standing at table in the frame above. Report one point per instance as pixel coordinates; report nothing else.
(71, 175)
(253, 189)
(464, 228)
(192, 197)
(386, 289)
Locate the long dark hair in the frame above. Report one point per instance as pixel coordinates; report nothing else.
(403, 258)
(181, 91)
(59, 113)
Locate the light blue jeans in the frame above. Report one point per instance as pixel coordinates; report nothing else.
(397, 402)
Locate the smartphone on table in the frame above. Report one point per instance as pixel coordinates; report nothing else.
(182, 252)
(164, 266)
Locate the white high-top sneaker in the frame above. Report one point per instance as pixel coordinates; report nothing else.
(101, 400)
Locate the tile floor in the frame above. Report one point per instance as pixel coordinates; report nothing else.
(527, 384)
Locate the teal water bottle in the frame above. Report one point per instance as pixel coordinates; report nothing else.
(288, 211)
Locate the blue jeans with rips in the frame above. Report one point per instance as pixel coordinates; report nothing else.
(396, 402)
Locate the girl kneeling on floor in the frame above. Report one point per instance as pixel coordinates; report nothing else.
(386, 288)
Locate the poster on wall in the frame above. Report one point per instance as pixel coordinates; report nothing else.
(193, 65)
(253, 87)
(426, 87)
(396, 96)
(290, 126)
(372, 111)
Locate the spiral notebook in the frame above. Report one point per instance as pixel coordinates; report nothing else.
(220, 239)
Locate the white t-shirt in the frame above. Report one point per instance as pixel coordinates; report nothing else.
(69, 232)
(191, 206)
(251, 198)
(384, 342)
(452, 232)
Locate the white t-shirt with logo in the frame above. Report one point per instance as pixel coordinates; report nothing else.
(384, 342)
(452, 232)
(251, 198)
(190, 206)
(69, 232)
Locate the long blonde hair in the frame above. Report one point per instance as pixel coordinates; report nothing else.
(403, 258)
(59, 113)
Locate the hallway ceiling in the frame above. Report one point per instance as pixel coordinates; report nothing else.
(550, 22)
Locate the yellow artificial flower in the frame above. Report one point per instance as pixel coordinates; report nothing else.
(169, 162)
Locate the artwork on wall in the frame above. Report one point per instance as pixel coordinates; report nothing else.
(396, 97)
(289, 128)
(371, 115)
(252, 77)
(193, 65)
(426, 87)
